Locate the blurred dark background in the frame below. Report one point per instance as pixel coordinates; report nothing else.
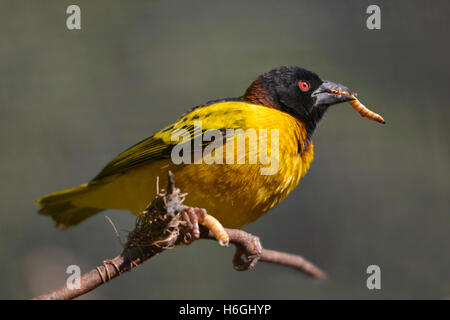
(71, 100)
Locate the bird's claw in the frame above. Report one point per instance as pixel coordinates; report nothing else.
(192, 225)
(198, 216)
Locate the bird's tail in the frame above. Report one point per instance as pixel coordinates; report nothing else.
(59, 205)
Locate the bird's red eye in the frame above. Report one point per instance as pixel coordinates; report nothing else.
(304, 86)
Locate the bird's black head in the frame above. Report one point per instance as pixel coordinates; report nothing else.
(296, 91)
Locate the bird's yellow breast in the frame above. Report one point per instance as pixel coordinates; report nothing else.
(235, 193)
(238, 194)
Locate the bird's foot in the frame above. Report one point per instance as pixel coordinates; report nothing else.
(198, 216)
(252, 254)
(191, 220)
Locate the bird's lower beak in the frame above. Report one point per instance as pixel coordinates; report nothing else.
(328, 94)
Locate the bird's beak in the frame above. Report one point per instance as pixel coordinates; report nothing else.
(326, 94)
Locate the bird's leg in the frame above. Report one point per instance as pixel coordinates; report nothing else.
(194, 220)
(190, 235)
(196, 216)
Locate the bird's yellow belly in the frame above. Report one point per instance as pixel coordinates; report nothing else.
(236, 194)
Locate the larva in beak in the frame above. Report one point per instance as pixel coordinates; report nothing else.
(365, 112)
(362, 109)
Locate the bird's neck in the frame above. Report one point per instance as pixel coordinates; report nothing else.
(256, 93)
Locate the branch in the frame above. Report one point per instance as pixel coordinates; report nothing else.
(160, 227)
(245, 240)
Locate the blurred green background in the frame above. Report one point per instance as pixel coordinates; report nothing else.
(71, 100)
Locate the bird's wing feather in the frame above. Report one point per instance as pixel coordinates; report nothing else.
(147, 150)
(219, 116)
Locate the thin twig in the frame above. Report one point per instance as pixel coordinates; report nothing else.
(116, 232)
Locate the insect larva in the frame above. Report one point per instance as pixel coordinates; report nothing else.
(362, 109)
(215, 226)
(365, 112)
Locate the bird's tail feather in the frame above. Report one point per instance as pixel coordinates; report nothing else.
(59, 205)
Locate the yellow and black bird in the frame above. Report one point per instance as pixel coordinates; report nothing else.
(289, 99)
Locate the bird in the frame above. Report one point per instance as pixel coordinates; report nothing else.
(289, 100)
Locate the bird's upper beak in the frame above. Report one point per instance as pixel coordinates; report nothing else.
(326, 94)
